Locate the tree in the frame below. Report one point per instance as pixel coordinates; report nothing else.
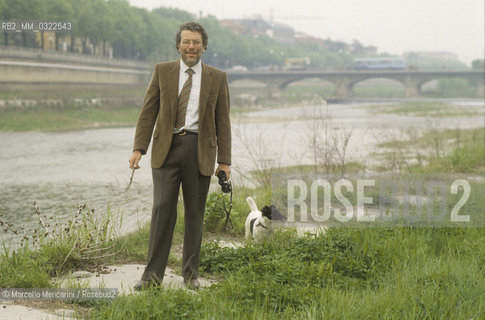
(61, 11)
(478, 64)
(126, 24)
(25, 10)
(5, 15)
(84, 22)
(143, 35)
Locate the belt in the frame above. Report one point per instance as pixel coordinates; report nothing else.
(185, 132)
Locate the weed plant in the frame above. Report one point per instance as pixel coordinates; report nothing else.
(55, 248)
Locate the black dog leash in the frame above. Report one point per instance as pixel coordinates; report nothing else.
(228, 213)
(226, 187)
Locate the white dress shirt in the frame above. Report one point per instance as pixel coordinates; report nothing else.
(192, 116)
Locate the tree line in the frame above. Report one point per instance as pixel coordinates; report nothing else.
(135, 33)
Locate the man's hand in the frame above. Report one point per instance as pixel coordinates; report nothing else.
(135, 158)
(226, 168)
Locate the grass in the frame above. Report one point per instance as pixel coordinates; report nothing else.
(66, 92)
(346, 274)
(446, 151)
(67, 119)
(53, 249)
(468, 155)
(389, 91)
(54, 108)
(398, 273)
(426, 109)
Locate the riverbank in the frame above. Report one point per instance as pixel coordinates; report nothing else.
(353, 273)
(394, 273)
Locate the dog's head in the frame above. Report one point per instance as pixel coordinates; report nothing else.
(272, 213)
(266, 212)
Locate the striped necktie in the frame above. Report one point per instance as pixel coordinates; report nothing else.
(183, 100)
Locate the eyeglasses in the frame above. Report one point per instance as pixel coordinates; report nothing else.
(186, 43)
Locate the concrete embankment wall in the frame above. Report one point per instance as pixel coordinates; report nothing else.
(24, 65)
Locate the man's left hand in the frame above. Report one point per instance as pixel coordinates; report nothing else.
(226, 168)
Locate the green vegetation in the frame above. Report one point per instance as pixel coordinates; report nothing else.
(54, 248)
(346, 274)
(449, 87)
(447, 151)
(379, 88)
(50, 108)
(433, 109)
(138, 34)
(467, 154)
(67, 119)
(66, 93)
(478, 64)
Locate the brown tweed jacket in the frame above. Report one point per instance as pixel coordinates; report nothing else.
(160, 108)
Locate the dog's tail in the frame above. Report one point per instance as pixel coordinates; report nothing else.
(252, 204)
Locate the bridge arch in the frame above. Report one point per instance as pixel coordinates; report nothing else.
(326, 88)
(387, 85)
(455, 85)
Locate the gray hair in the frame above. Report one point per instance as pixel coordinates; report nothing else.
(195, 27)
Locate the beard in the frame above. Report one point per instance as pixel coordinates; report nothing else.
(191, 56)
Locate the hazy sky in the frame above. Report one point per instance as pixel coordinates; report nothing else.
(394, 26)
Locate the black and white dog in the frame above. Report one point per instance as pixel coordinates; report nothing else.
(259, 223)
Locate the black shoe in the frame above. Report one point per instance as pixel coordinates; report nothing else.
(145, 284)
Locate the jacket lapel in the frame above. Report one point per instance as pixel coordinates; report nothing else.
(205, 88)
(172, 86)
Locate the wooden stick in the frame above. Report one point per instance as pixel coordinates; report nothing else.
(131, 180)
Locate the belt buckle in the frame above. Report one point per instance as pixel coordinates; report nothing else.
(183, 133)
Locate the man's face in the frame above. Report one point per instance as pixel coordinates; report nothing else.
(191, 47)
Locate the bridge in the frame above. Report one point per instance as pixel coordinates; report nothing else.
(23, 65)
(344, 81)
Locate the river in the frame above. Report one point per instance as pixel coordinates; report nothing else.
(61, 170)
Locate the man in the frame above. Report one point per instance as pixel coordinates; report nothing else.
(187, 102)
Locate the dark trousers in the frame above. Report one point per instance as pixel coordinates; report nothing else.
(180, 167)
